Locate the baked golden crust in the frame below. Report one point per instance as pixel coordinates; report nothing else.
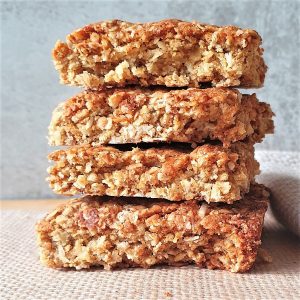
(133, 115)
(113, 232)
(209, 172)
(170, 53)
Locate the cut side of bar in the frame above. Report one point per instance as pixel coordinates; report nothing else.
(209, 172)
(132, 232)
(134, 115)
(171, 53)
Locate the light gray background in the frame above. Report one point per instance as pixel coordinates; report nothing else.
(30, 87)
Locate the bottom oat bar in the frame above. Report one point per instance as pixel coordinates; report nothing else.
(103, 231)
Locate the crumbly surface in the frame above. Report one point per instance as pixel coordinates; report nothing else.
(209, 172)
(113, 232)
(170, 53)
(133, 115)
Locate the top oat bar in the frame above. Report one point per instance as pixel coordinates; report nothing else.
(170, 53)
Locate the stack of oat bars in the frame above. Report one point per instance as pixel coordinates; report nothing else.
(160, 145)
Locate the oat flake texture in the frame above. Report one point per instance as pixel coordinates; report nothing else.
(23, 277)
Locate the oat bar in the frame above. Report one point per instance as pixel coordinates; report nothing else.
(131, 232)
(171, 53)
(118, 116)
(209, 172)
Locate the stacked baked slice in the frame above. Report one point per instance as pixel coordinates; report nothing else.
(167, 172)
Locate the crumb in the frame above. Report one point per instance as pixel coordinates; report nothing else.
(168, 294)
(264, 256)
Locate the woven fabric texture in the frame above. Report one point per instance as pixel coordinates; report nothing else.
(22, 276)
(281, 173)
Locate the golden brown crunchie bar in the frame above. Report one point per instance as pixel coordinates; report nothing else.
(209, 172)
(134, 115)
(171, 53)
(131, 232)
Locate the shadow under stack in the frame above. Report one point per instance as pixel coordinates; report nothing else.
(160, 145)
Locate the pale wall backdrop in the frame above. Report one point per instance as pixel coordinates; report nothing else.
(30, 87)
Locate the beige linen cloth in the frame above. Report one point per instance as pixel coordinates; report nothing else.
(22, 276)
